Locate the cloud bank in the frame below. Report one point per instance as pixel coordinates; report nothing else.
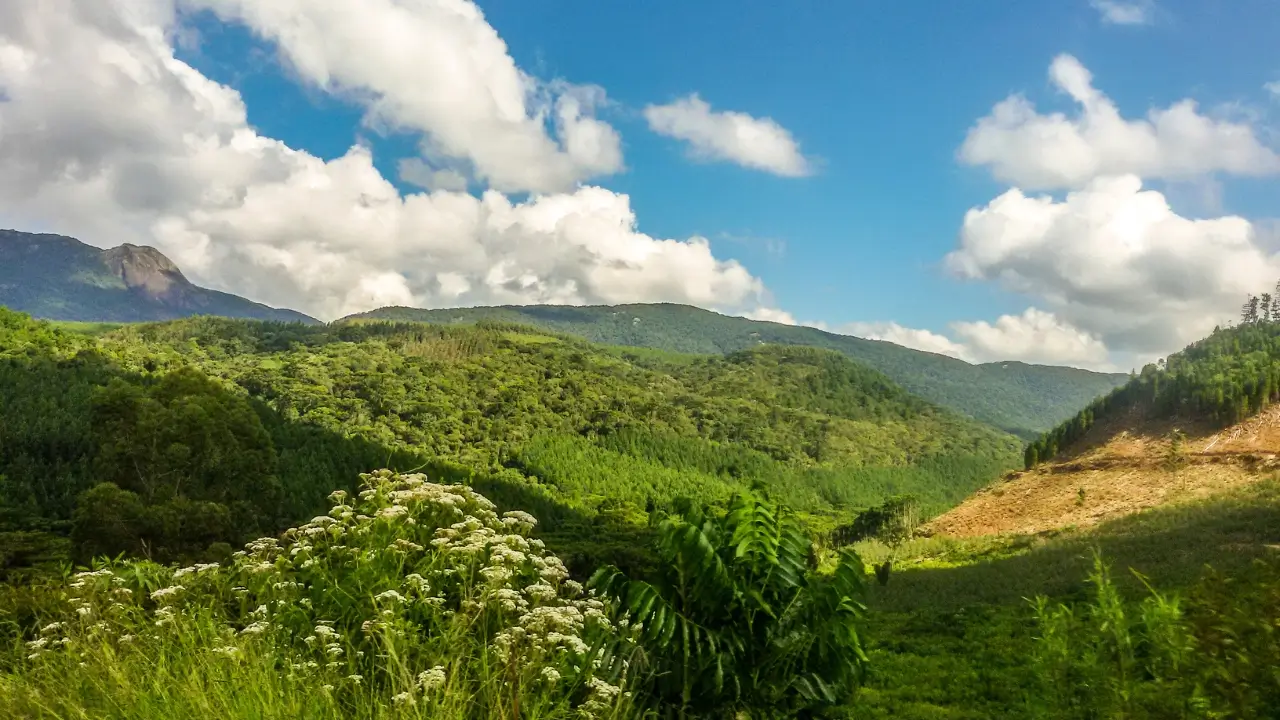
(106, 135)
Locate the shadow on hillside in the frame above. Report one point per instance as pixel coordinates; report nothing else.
(45, 405)
(1170, 546)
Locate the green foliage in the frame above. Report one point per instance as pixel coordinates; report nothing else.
(211, 430)
(1021, 399)
(893, 522)
(1162, 657)
(738, 619)
(1175, 456)
(1220, 380)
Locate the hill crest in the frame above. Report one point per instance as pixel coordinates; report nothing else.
(1016, 397)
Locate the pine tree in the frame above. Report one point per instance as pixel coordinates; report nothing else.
(1264, 308)
(1249, 313)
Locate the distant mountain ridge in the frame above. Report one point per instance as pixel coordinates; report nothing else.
(1019, 398)
(61, 278)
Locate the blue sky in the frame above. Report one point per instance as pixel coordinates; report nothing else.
(879, 98)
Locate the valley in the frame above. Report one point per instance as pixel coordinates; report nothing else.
(651, 476)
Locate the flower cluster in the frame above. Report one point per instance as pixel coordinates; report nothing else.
(407, 568)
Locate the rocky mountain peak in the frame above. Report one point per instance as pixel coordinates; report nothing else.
(145, 269)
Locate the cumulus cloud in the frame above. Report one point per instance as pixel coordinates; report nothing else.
(1115, 12)
(105, 135)
(1045, 151)
(437, 67)
(916, 339)
(767, 314)
(1034, 336)
(1116, 262)
(1273, 88)
(416, 172)
(757, 143)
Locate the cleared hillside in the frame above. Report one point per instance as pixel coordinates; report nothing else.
(1016, 397)
(1215, 382)
(1121, 472)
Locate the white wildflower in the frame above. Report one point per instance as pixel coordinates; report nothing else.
(432, 679)
(167, 592)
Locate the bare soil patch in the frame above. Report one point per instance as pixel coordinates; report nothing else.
(1119, 475)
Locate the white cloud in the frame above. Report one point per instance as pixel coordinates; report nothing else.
(1273, 88)
(416, 172)
(770, 315)
(1116, 262)
(106, 136)
(758, 143)
(1115, 12)
(437, 67)
(1037, 151)
(1034, 336)
(916, 339)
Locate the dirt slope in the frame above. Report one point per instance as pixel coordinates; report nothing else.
(1120, 473)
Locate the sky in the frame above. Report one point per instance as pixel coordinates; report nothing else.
(1091, 183)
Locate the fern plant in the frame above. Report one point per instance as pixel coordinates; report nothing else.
(738, 619)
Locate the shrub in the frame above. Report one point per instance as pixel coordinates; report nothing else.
(1213, 655)
(737, 618)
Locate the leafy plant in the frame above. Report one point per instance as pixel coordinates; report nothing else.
(737, 617)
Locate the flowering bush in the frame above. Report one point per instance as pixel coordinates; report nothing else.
(413, 599)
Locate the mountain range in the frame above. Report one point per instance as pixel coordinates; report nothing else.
(61, 278)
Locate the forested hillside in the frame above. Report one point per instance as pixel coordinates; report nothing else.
(1018, 398)
(61, 278)
(1219, 381)
(168, 439)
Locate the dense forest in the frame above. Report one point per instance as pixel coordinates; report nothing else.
(181, 439)
(1019, 398)
(1222, 379)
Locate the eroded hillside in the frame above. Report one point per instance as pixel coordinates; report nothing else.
(1120, 471)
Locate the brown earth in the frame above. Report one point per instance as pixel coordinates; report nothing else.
(1120, 472)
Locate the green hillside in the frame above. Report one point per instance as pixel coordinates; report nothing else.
(248, 425)
(1220, 380)
(690, 493)
(61, 278)
(1016, 397)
